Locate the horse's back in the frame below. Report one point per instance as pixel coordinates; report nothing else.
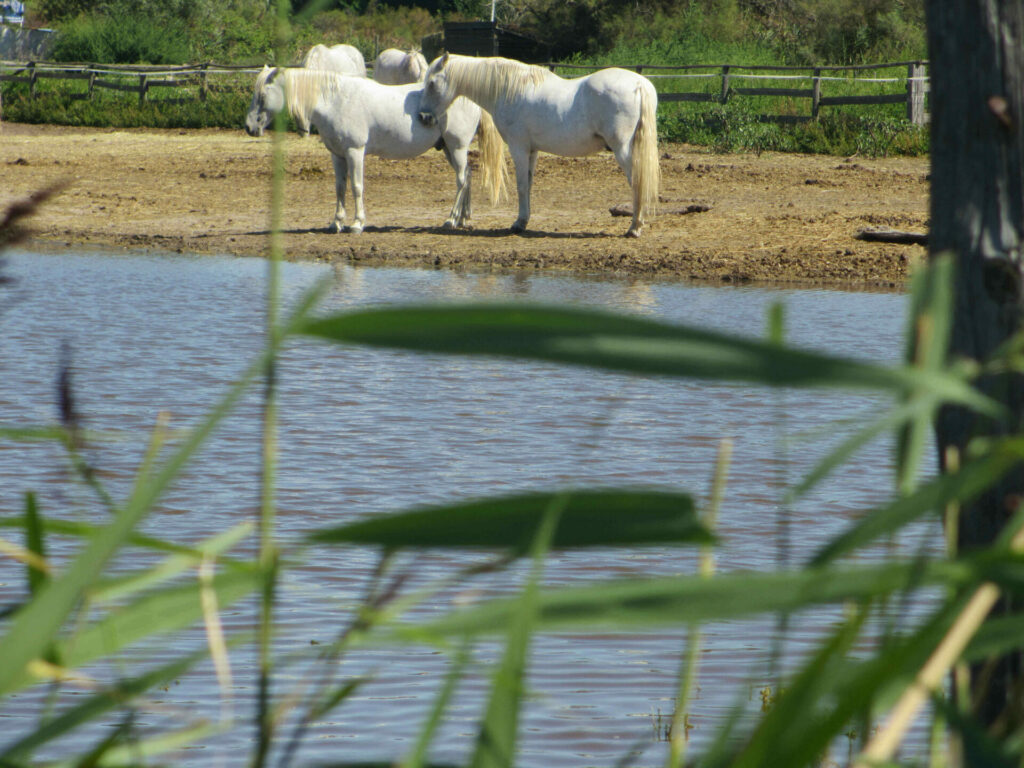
(338, 58)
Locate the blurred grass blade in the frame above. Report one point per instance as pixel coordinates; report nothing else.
(678, 600)
(972, 479)
(831, 689)
(892, 420)
(591, 518)
(621, 343)
(137, 751)
(417, 758)
(997, 636)
(979, 748)
(86, 531)
(96, 705)
(170, 567)
(34, 542)
(496, 741)
(931, 303)
(164, 611)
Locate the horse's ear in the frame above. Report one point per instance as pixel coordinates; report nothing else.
(444, 59)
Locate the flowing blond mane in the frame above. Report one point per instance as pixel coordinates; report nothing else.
(488, 79)
(304, 87)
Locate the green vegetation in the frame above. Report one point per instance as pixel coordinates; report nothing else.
(592, 32)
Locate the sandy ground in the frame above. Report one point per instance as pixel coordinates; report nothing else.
(773, 217)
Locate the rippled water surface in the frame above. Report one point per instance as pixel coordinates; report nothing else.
(363, 432)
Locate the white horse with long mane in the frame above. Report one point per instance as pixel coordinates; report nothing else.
(536, 110)
(337, 58)
(395, 67)
(355, 116)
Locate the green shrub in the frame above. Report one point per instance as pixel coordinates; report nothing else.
(122, 39)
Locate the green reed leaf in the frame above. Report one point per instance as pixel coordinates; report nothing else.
(34, 542)
(156, 613)
(96, 705)
(622, 343)
(496, 739)
(931, 497)
(676, 601)
(591, 518)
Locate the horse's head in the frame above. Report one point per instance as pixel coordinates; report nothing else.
(438, 93)
(267, 101)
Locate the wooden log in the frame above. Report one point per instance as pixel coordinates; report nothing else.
(882, 235)
(626, 209)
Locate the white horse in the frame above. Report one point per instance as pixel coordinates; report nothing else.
(536, 110)
(355, 116)
(338, 58)
(395, 67)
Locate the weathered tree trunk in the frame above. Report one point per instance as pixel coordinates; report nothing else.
(976, 48)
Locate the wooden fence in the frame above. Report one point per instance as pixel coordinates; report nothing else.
(148, 77)
(732, 80)
(729, 81)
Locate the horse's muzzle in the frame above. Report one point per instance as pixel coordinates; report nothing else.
(427, 118)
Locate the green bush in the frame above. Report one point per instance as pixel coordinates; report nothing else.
(122, 39)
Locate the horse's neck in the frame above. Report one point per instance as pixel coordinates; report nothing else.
(476, 91)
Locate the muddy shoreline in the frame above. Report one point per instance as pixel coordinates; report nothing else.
(775, 218)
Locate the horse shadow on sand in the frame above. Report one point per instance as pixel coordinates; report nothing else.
(502, 232)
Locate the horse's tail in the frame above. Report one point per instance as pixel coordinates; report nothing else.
(493, 167)
(645, 171)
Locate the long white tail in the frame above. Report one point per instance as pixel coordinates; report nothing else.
(645, 171)
(493, 167)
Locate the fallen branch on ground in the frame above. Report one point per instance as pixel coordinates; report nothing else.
(625, 209)
(879, 235)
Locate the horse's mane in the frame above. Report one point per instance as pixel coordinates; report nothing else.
(303, 87)
(493, 77)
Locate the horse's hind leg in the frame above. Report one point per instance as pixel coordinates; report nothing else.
(462, 210)
(355, 169)
(525, 162)
(623, 151)
(340, 181)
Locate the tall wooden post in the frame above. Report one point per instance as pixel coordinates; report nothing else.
(816, 93)
(916, 88)
(725, 84)
(977, 213)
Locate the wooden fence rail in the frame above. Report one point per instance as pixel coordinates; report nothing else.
(913, 80)
(733, 80)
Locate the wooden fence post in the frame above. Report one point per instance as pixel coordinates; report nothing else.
(725, 84)
(92, 80)
(202, 81)
(816, 96)
(32, 79)
(143, 87)
(915, 93)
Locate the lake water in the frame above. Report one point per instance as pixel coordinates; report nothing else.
(363, 432)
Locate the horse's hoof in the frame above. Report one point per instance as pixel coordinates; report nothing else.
(518, 227)
(355, 229)
(450, 224)
(335, 228)
(633, 232)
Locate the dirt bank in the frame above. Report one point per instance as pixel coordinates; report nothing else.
(774, 217)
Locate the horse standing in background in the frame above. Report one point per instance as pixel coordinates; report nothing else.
(395, 67)
(355, 116)
(536, 110)
(338, 58)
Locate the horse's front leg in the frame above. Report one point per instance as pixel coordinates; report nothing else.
(355, 169)
(462, 210)
(340, 180)
(526, 163)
